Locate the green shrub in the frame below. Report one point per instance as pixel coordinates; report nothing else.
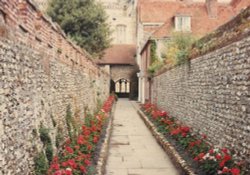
(44, 135)
(49, 152)
(41, 164)
(45, 138)
(178, 48)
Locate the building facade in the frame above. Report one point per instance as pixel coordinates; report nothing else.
(122, 20)
(167, 16)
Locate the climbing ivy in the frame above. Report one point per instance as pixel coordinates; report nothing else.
(153, 54)
(155, 62)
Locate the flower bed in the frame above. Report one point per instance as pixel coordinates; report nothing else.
(194, 148)
(78, 153)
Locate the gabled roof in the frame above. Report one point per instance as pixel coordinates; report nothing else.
(201, 23)
(123, 54)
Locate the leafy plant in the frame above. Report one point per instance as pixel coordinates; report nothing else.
(41, 164)
(70, 122)
(77, 153)
(45, 138)
(178, 48)
(83, 21)
(153, 54)
(154, 67)
(44, 135)
(59, 137)
(211, 160)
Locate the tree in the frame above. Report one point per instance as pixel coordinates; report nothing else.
(84, 21)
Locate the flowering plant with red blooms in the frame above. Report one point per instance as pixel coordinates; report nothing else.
(76, 155)
(211, 160)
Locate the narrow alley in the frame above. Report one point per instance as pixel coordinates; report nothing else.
(133, 150)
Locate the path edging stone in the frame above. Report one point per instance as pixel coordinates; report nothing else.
(178, 161)
(102, 160)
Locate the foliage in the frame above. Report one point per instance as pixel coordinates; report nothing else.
(156, 64)
(178, 48)
(77, 153)
(44, 135)
(153, 54)
(84, 21)
(41, 165)
(70, 122)
(45, 138)
(59, 137)
(211, 160)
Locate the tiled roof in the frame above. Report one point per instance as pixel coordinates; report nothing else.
(201, 23)
(119, 54)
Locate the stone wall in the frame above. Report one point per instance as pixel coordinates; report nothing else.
(211, 93)
(41, 73)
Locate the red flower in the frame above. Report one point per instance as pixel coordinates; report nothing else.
(95, 139)
(86, 132)
(80, 140)
(64, 164)
(211, 151)
(185, 129)
(184, 134)
(163, 113)
(192, 144)
(89, 147)
(55, 166)
(176, 131)
(204, 136)
(235, 171)
(218, 157)
(225, 170)
(72, 164)
(69, 150)
(201, 155)
(87, 162)
(68, 141)
(222, 163)
(58, 173)
(68, 172)
(227, 158)
(83, 169)
(224, 150)
(196, 158)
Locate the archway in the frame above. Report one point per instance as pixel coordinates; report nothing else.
(122, 88)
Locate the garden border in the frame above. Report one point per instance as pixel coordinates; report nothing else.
(102, 160)
(178, 161)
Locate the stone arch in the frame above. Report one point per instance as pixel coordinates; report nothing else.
(122, 87)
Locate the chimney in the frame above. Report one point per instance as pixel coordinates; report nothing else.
(212, 8)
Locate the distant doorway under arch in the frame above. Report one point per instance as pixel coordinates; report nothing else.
(122, 88)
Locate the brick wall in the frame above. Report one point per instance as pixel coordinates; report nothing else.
(41, 73)
(211, 93)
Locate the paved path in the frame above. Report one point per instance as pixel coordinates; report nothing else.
(133, 150)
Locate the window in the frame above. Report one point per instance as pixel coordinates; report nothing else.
(122, 86)
(121, 34)
(183, 23)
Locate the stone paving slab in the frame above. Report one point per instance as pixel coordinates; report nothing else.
(133, 150)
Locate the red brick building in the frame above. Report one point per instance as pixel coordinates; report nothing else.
(158, 19)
